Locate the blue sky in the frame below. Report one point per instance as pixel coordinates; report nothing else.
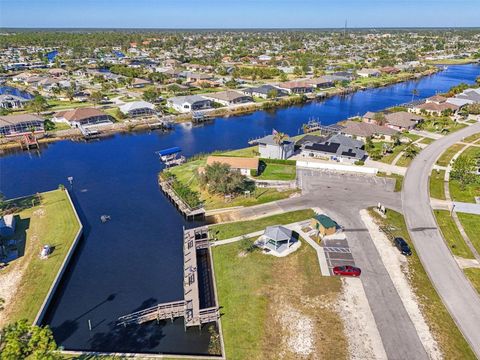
(238, 13)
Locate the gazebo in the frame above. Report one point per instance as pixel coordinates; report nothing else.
(277, 238)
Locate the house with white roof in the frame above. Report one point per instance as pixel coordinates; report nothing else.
(138, 108)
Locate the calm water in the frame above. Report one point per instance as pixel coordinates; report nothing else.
(14, 91)
(135, 260)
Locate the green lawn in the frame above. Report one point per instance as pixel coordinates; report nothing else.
(447, 156)
(398, 180)
(437, 181)
(389, 157)
(472, 138)
(440, 124)
(56, 105)
(229, 230)
(254, 288)
(52, 222)
(467, 194)
(473, 274)
(404, 161)
(471, 224)
(427, 140)
(450, 339)
(452, 235)
(411, 136)
(251, 151)
(274, 171)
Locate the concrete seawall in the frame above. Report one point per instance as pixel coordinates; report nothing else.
(61, 271)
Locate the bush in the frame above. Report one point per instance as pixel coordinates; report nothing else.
(360, 162)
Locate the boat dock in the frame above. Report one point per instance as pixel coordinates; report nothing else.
(169, 156)
(199, 117)
(194, 241)
(181, 205)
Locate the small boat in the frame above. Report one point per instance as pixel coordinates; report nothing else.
(105, 218)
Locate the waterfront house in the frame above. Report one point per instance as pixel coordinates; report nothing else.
(7, 225)
(436, 99)
(296, 87)
(363, 130)
(264, 91)
(229, 97)
(185, 104)
(470, 94)
(402, 120)
(83, 117)
(321, 82)
(368, 73)
(324, 225)
(270, 149)
(17, 125)
(138, 108)
(433, 108)
(8, 101)
(337, 147)
(241, 164)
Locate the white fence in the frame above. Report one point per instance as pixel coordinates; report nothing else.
(336, 167)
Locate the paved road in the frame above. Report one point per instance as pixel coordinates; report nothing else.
(460, 298)
(342, 197)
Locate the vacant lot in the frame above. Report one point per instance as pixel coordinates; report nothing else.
(471, 224)
(277, 307)
(447, 156)
(28, 278)
(229, 230)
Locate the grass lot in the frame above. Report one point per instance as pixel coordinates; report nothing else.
(437, 188)
(473, 274)
(186, 174)
(440, 125)
(52, 222)
(472, 138)
(447, 156)
(452, 235)
(389, 157)
(398, 180)
(411, 136)
(56, 105)
(251, 151)
(427, 140)
(450, 339)
(404, 161)
(274, 171)
(255, 289)
(61, 126)
(471, 224)
(465, 195)
(229, 230)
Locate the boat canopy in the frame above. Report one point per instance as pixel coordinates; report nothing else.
(169, 151)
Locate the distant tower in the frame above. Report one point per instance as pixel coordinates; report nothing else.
(345, 29)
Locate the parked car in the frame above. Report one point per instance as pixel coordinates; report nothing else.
(347, 270)
(402, 246)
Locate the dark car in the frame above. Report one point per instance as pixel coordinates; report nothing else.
(402, 246)
(347, 270)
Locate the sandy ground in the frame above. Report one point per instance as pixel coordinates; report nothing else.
(299, 331)
(397, 267)
(364, 341)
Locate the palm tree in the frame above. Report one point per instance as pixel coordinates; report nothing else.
(279, 138)
(415, 92)
(411, 151)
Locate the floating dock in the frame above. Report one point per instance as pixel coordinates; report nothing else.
(194, 241)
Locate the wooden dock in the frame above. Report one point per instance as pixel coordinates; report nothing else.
(188, 308)
(181, 205)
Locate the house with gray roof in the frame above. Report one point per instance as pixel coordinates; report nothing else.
(229, 97)
(264, 91)
(186, 104)
(270, 149)
(138, 108)
(17, 125)
(338, 147)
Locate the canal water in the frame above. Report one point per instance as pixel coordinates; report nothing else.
(135, 260)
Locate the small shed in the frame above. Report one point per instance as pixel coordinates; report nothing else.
(324, 225)
(7, 225)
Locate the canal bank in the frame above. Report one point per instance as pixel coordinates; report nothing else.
(135, 260)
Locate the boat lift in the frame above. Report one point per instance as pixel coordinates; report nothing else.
(170, 156)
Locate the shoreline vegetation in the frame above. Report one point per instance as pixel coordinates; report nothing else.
(128, 127)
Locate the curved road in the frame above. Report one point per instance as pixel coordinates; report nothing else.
(461, 300)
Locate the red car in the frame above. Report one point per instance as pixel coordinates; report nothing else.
(347, 270)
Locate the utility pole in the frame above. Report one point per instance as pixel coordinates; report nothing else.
(345, 29)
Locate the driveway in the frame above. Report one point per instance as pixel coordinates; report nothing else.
(461, 300)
